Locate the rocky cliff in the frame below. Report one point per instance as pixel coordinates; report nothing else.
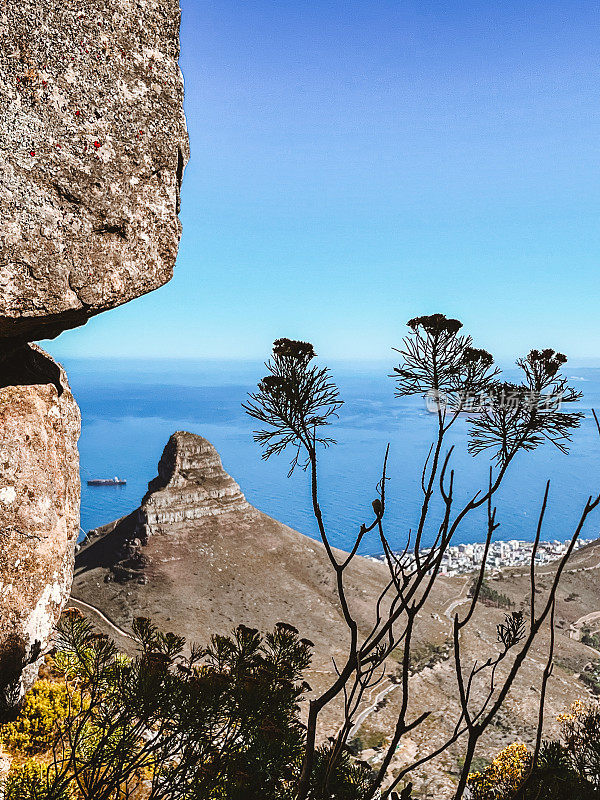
(39, 509)
(191, 484)
(191, 487)
(92, 149)
(93, 146)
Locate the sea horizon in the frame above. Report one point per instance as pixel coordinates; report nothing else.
(130, 407)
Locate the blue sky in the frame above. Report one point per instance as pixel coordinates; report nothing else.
(355, 164)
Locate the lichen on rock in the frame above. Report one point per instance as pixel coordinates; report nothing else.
(93, 144)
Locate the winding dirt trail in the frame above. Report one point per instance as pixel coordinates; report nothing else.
(576, 628)
(459, 600)
(104, 620)
(579, 623)
(372, 708)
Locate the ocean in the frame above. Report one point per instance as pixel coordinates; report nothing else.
(130, 408)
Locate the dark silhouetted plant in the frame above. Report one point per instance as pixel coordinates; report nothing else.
(220, 723)
(294, 404)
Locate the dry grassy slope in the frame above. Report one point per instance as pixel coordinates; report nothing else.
(257, 571)
(578, 596)
(236, 568)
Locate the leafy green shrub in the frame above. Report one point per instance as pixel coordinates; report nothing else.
(367, 740)
(31, 780)
(591, 677)
(591, 639)
(555, 778)
(429, 654)
(569, 768)
(490, 597)
(580, 732)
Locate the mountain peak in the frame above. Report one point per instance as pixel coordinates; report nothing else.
(191, 484)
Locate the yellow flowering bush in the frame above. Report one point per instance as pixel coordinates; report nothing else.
(569, 717)
(565, 768)
(44, 706)
(580, 732)
(503, 776)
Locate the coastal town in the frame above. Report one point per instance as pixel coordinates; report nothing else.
(463, 558)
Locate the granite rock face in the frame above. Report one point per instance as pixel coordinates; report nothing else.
(39, 510)
(93, 144)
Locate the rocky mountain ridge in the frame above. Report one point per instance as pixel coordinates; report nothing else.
(191, 485)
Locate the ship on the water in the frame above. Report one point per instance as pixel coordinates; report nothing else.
(107, 481)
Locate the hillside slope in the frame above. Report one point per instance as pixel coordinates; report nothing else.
(198, 559)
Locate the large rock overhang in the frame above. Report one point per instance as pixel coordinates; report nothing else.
(93, 144)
